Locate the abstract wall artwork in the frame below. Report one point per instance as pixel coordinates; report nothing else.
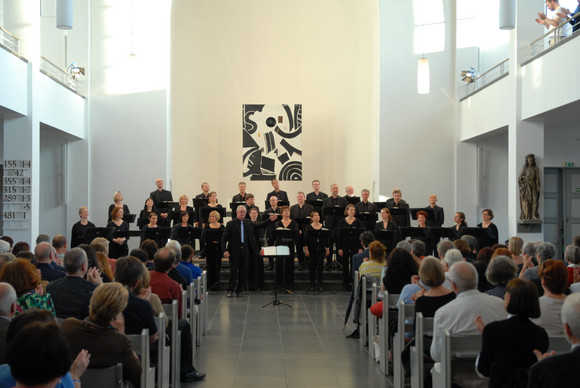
(272, 142)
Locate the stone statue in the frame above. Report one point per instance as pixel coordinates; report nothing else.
(529, 182)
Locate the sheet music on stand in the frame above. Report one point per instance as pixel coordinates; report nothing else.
(278, 250)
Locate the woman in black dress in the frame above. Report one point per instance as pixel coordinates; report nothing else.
(387, 223)
(460, 225)
(256, 265)
(79, 229)
(117, 202)
(316, 248)
(211, 205)
(348, 243)
(211, 235)
(118, 246)
(285, 264)
(182, 207)
(184, 222)
(486, 217)
(148, 208)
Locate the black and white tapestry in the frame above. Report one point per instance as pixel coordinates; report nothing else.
(272, 145)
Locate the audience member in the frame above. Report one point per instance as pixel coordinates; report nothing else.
(418, 250)
(499, 272)
(187, 254)
(561, 370)
(8, 308)
(59, 243)
(458, 316)
(9, 240)
(544, 251)
(515, 245)
(20, 246)
(5, 258)
(553, 276)
(572, 257)
(552, 23)
(508, 345)
(71, 294)
(42, 238)
(183, 270)
(4, 246)
(103, 332)
(404, 244)
(151, 247)
(472, 242)
(25, 279)
(92, 261)
(43, 251)
(365, 239)
(166, 288)
(400, 268)
(432, 274)
(101, 244)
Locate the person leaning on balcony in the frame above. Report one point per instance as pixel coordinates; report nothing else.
(550, 24)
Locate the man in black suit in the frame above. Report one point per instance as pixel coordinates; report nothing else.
(7, 309)
(280, 194)
(562, 370)
(316, 195)
(238, 243)
(398, 203)
(439, 216)
(241, 197)
(161, 195)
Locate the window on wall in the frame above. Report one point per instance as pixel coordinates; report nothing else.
(429, 32)
(478, 26)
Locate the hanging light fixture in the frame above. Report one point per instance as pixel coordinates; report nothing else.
(507, 14)
(423, 81)
(64, 14)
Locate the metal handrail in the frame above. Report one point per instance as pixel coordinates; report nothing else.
(9, 41)
(59, 75)
(485, 79)
(552, 37)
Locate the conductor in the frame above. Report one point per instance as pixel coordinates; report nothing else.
(238, 242)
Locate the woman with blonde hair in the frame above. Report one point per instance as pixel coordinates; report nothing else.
(117, 202)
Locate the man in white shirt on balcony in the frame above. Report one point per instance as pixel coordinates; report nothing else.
(551, 24)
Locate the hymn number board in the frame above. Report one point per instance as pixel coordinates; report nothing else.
(16, 194)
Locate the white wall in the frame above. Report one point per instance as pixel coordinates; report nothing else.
(540, 91)
(14, 81)
(417, 134)
(322, 54)
(562, 145)
(127, 113)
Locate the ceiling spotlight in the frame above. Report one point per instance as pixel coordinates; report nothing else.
(75, 71)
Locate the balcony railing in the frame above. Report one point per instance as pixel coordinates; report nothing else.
(9, 42)
(497, 72)
(61, 76)
(553, 38)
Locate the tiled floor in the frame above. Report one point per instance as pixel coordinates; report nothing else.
(277, 346)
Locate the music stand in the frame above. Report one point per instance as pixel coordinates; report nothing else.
(352, 200)
(198, 203)
(129, 218)
(484, 236)
(317, 204)
(141, 222)
(428, 210)
(188, 234)
(278, 251)
(380, 205)
(160, 235)
(368, 219)
(390, 237)
(280, 203)
(91, 233)
(400, 214)
(302, 222)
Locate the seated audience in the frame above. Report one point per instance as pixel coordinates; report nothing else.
(71, 294)
(92, 261)
(499, 272)
(508, 346)
(39, 355)
(139, 315)
(7, 311)
(572, 257)
(473, 247)
(401, 266)
(151, 247)
(4, 246)
(103, 332)
(374, 266)
(43, 253)
(20, 246)
(166, 288)
(187, 254)
(553, 276)
(179, 266)
(101, 244)
(544, 251)
(515, 245)
(24, 277)
(432, 274)
(458, 316)
(561, 370)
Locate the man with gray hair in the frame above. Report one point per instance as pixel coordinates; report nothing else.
(7, 309)
(458, 316)
(544, 251)
(182, 269)
(561, 370)
(71, 294)
(44, 252)
(404, 244)
(472, 241)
